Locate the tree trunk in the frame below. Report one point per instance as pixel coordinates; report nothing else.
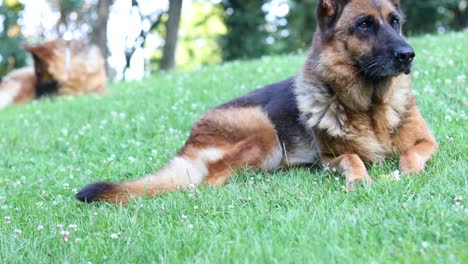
(172, 29)
(460, 18)
(62, 21)
(100, 29)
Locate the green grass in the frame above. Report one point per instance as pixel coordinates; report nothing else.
(51, 148)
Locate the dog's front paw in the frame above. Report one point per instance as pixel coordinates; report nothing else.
(411, 162)
(357, 179)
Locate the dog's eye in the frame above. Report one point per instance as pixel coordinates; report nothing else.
(365, 24)
(395, 23)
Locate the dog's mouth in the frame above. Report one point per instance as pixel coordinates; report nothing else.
(407, 69)
(379, 68)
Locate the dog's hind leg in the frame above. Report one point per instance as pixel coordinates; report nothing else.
(221, 141)
(259, 152)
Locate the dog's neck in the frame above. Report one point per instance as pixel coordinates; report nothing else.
(355, 92)
(326, 95)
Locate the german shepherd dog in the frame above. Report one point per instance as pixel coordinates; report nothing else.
(60, 68)
(351, 104)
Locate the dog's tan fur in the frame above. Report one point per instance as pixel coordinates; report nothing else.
(347, 120)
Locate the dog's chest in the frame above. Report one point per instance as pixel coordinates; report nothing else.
(371, 135)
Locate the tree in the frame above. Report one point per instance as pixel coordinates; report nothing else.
(66, 7)
(459, 10)
(430, 15)
(11, 38)
(139, 42)
(172, 30)
(301, 24)
(245, 23)
(100, 28)
(85, 18)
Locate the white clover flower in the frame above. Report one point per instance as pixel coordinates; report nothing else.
(17, 232)
(396, 175)
(65, 235)
(40, 227)
(111, 158)
(461, 78)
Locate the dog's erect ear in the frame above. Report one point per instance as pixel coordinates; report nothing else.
(328, 11)
(40, 52)
(396, 3)
(29, 48)
(327, 7)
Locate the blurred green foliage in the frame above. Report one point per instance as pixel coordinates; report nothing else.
(246, 34)
(11, 53)
(425, 16)
(246, 23)
(199, 32)
(301, 24)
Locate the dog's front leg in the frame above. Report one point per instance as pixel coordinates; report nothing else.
(416, 143)
(351, 166)
(413, 160)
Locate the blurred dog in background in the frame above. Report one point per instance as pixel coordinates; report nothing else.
(60, 68)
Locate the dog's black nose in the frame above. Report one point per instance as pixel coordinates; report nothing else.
(404, 54)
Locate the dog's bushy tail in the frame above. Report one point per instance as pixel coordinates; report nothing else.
(180, 172)
(120, 192)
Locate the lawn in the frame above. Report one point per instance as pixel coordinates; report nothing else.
(49, 149)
